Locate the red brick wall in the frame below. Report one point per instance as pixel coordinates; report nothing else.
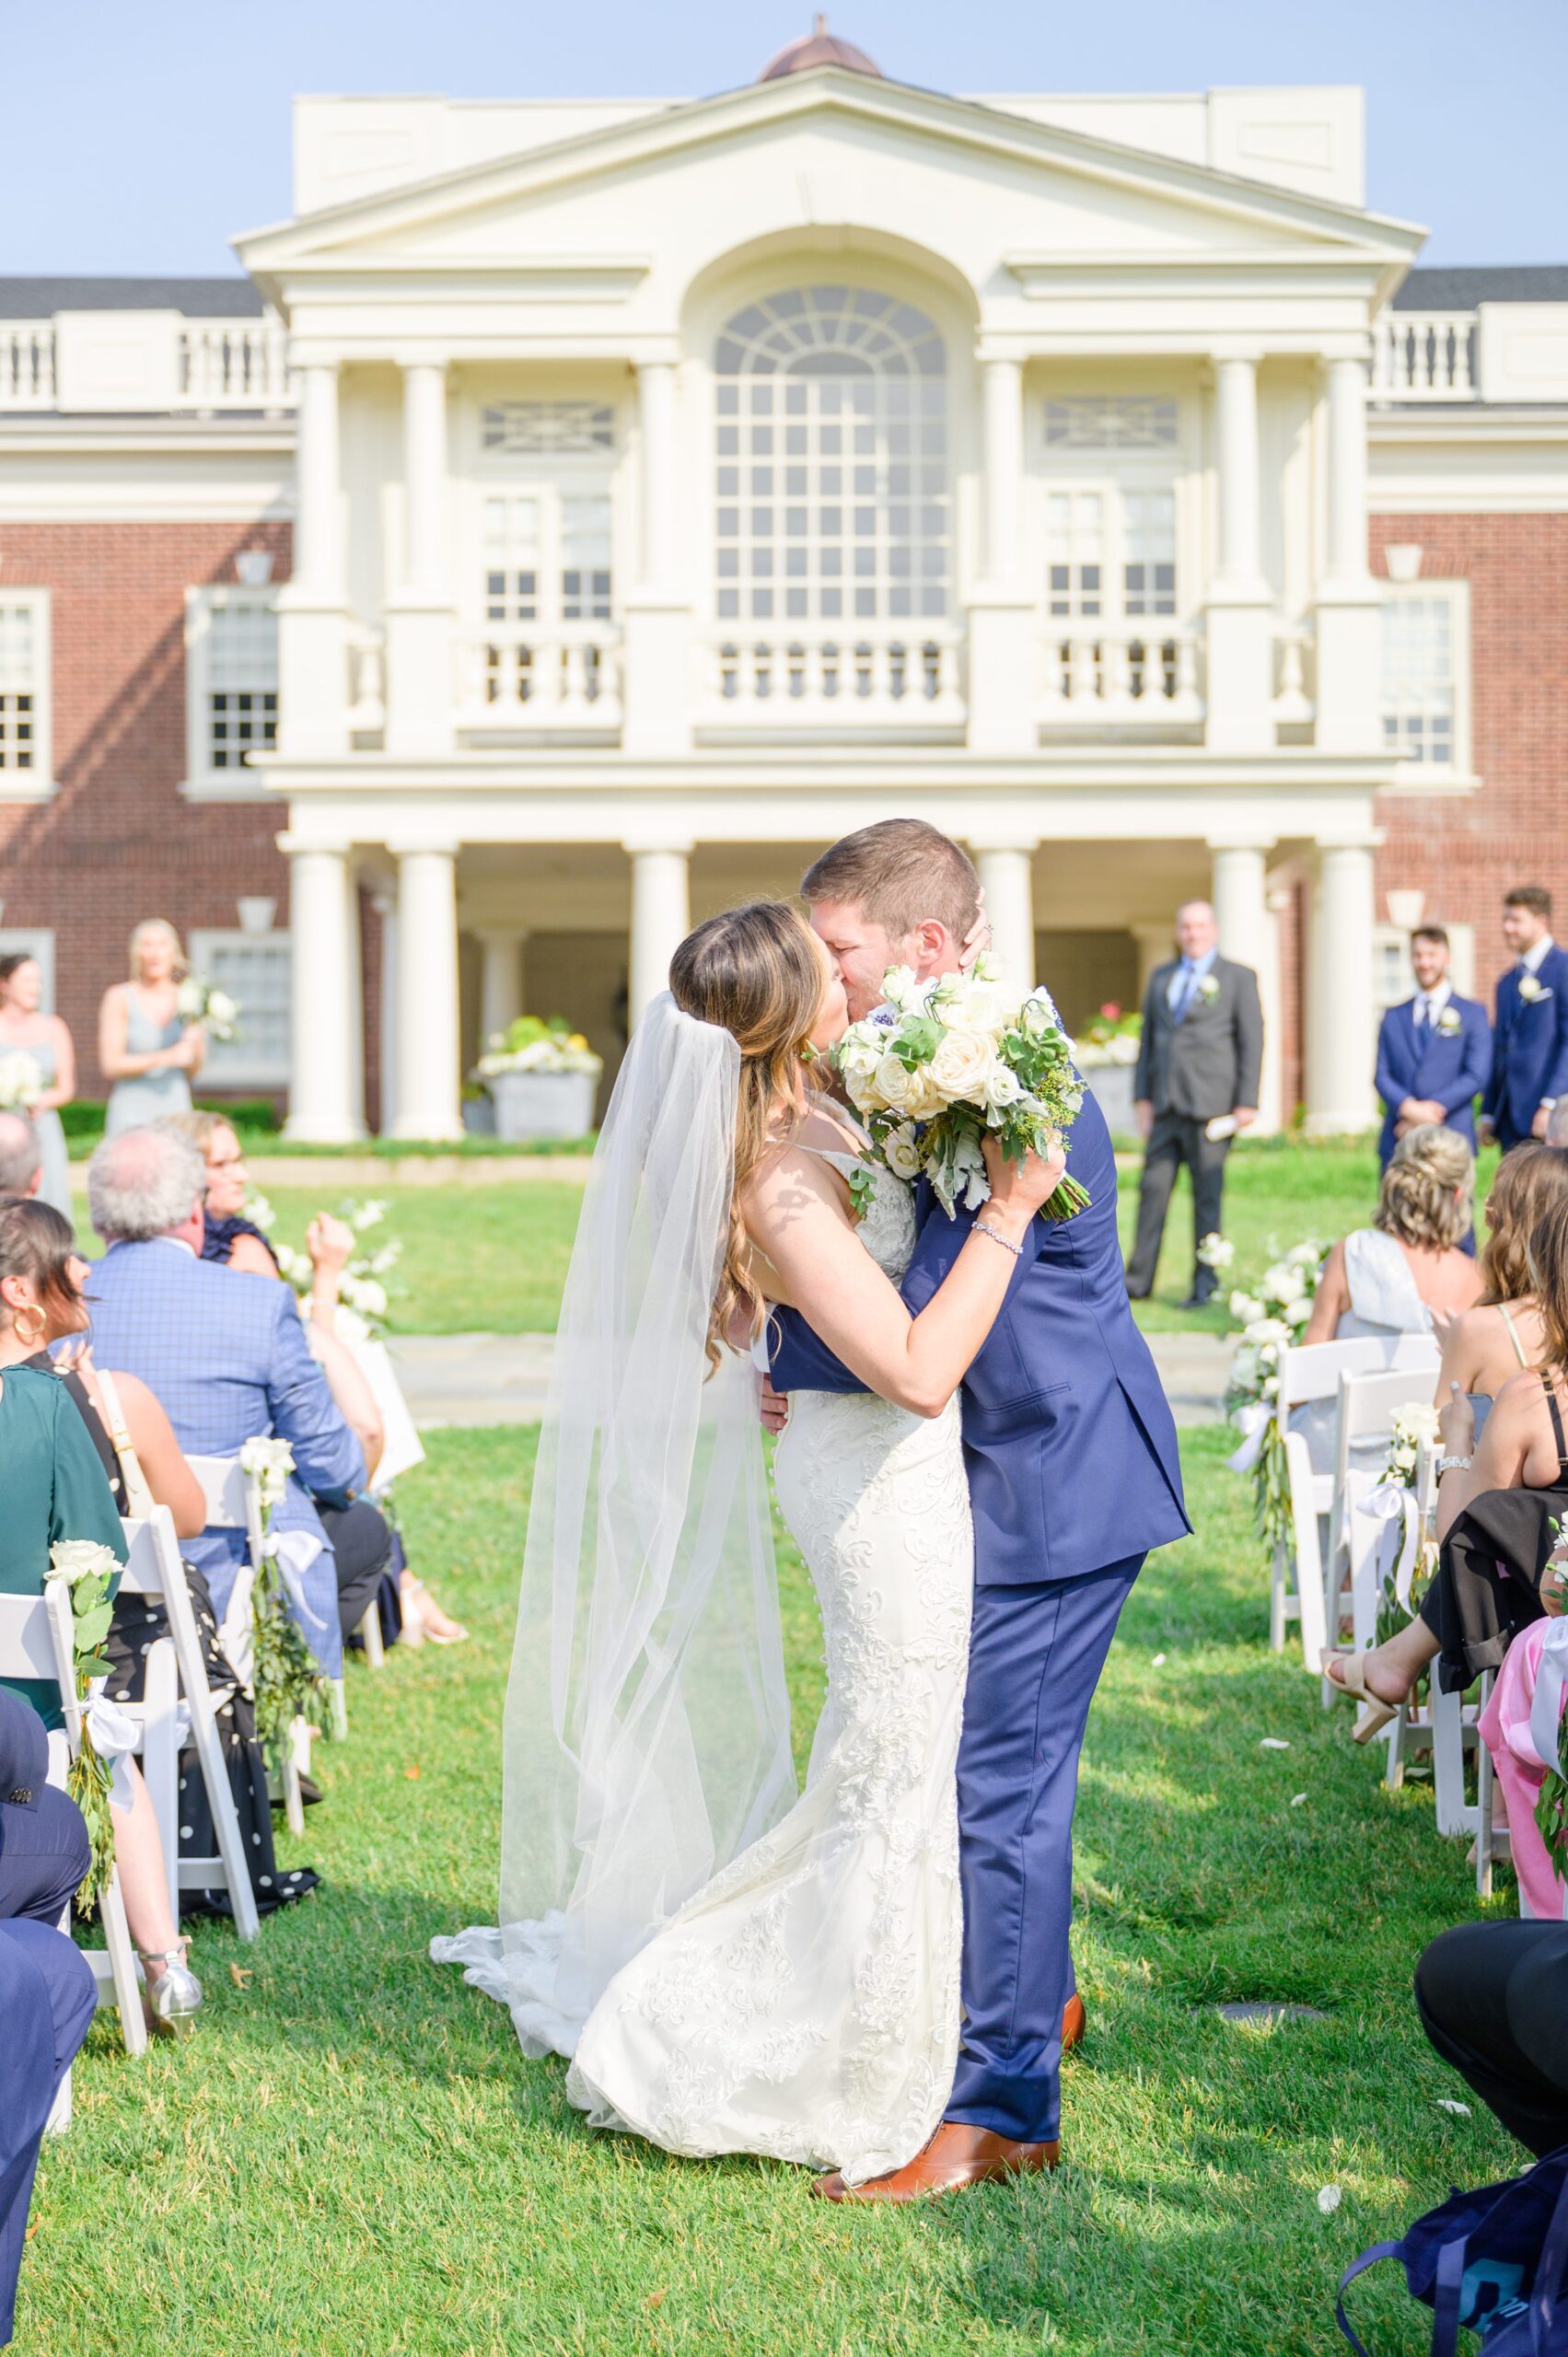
(118, 843)
(1464, 852)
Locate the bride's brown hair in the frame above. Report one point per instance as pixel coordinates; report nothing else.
(756, 971)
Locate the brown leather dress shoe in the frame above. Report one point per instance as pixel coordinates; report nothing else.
(956, 2157)
(1074, 2022)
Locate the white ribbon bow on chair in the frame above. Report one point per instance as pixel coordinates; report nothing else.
(1391, 1502)
(294, 1551)
(1252, 1423)
(114, 1739)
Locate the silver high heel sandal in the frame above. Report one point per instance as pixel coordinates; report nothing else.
(172, 2000)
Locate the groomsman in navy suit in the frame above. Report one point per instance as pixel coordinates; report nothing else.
(1434, 1052)
(1530, 1056)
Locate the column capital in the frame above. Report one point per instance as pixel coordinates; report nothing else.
(1256, 838)
(412, 846)
(295, 845)
(411, 358)
(639, 845)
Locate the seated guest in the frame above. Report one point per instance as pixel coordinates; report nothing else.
(141, 1461)
(1486, 1345)
(1389, 1278)
(225, 1355)
(407, 1608)
(1490, 1996)
(54, 1488)
(1497, 1500)
(21, 1156)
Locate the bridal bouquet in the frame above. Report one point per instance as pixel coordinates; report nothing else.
(21, 1081)
(199, 1001)
(364, 1296)
(949, 1058)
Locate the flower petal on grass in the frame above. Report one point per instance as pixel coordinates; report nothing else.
(1461, 2110)
(1329, 2198)
(1296, 1799)
(1274, 1743)
(1158, 1662)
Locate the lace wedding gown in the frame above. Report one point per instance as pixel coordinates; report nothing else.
(804, 2004)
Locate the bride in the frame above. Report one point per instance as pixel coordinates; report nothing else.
(732, 1969)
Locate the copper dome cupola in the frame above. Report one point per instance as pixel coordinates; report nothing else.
(819, 47)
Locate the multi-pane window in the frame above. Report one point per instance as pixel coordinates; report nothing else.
(19, 685)
(1111, 421)
(241, 682)
(526, 428)
(1420, 680)
(584, 557)
(512, 559)
(832, 500)
(548, 569)
(1148, 545)
(255, 969)
(1074, 531)
(1098, 540)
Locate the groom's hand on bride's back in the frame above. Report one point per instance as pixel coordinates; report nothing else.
(772, 1407)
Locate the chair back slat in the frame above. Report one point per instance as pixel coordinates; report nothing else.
(27, 1645)
(1312, 1371)
(224, 1484)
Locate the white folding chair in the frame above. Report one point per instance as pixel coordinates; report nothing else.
(37, 1641)
(234, 1504)
(154, 1568)
(1309, 1379)
(1367, 1406)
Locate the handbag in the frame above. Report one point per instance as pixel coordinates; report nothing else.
(1491, 2261)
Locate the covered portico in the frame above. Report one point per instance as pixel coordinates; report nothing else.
(574, 887)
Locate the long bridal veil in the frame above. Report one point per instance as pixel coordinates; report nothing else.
(647, 1737)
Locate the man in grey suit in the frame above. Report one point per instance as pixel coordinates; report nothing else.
(1199, 1063)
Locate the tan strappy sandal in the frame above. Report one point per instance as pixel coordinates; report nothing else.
(1351, 1680)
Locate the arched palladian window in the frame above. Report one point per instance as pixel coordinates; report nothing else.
(833, 502)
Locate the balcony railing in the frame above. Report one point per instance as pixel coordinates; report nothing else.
(214, 365)
(848, 682)
(1139, 678)
(1425, 356)
(521, 677)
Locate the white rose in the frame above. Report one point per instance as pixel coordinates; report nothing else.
(860, 1051)
(900, 988)
(1266, 1331)
(76, 1557)
(188, 999)
(962, 1066)
(221, 1009)
(1245, 1307)
(1002, 1087)
(901, 1153)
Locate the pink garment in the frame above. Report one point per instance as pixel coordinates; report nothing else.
(1506, 1731)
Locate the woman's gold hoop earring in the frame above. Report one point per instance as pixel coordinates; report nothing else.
(36, 1335)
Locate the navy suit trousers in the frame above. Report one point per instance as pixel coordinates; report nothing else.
(47, 1999)
(43, 1855)
(1036, 1654)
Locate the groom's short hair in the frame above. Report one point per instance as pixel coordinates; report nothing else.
(897, 873)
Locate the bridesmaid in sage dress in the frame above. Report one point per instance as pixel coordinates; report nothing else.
(145, 1046)
(24, 1025)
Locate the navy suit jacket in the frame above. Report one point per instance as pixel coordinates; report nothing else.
(1069, 1438)
(1530, 1055)
(1451, 1071)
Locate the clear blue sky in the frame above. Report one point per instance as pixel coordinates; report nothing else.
(142, 133)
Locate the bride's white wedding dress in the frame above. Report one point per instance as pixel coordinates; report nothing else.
(806, 2002)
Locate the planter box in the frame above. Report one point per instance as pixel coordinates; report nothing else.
(479, 1116)
(543, 1104)
(1111, 1087)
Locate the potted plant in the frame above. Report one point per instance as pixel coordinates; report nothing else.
(1107, 1054)
(542, 1076)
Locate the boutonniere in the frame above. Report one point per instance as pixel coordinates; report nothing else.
(1532, 989)
(1208, 989)
(1450, 1023)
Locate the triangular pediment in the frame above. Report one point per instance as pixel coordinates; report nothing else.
(826, 150)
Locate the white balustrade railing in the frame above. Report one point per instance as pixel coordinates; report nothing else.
(1294, 684)
(1425, 356)
(233, 364)
(368, 682)
(1118, 678)
(27, 363)
(848, 682)
(518, 677)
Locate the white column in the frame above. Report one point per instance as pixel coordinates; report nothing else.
(313, 683)
(353, 988)
(1240, 893)
(428, 1078)
(661, 918)
(501, 983)
(1340, 1043)
(320, 1096)
(1006, 876)
(1240, 620)
(657, 618)
(1348, 616)
(420, 685)
(386, 907)
(1002, 621)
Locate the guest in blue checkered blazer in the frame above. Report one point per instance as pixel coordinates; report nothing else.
(225, 1353)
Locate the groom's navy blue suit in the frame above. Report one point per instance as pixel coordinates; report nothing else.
(1074, 1476)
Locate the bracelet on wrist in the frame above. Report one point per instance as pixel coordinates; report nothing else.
(983, 1227)
(1453, 1465)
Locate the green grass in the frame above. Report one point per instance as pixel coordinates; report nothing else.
(351, 2159)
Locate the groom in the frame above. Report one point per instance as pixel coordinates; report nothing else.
(1074, 1476)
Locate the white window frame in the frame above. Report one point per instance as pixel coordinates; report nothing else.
(36, 783)
(1117, 470)
(37, 942)
(239, 1065)
(1430, 777)
(202, 782)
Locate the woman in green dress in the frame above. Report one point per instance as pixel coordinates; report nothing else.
(54, 1488)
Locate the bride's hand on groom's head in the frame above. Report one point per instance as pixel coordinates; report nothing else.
(979, 934)
(1018, 1189)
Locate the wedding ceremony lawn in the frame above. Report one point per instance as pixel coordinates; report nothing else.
(492, 1258)
(352, 2159)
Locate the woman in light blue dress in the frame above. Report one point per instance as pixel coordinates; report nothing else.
(24, 1025)
(144, 1045)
